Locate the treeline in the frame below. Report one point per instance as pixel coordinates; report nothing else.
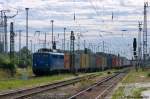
(20, 61)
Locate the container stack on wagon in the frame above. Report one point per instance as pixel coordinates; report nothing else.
(109, 61)
(66, 61)
(77, 61)
(99, 61)
(92, 62)
(47, 62)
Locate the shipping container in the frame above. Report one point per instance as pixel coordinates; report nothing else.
(124, 62)
(82, 61)
(77, 61)
(98, 61)
(67, 61)
(102, 60)
(114, 61)
(119, 62)
(87, 60)
(102, 63)
(93, 61)
(105, 62)
(109, 61)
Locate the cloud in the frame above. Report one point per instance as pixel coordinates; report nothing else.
(90, 15)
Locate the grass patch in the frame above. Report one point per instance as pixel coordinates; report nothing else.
(135, 77)
(137, 92)
(18, 83)
(7, 83)
(27, 71)
(119, 93)
(4, 75)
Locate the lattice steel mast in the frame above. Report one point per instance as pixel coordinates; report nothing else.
(145, 33)
(139, 44)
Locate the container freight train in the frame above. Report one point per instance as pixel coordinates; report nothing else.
(50, 62)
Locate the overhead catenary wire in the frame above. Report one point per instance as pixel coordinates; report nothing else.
(79, 25)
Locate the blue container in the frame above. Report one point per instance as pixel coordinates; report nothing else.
(109, 61)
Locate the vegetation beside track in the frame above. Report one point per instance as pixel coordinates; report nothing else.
(119, 93)
(5, 75)
(36, 81)
(133, 76)
(137, 91)
(9, 66)
(18, 83)
(137, 76)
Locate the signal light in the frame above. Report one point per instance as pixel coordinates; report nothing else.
(134, 46)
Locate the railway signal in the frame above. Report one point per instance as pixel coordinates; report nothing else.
(134, 46)
(135, 52)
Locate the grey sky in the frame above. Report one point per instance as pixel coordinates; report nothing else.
(92, 17)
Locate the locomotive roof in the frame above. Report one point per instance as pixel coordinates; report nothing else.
(54, 53)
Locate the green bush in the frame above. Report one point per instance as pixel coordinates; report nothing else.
(5, 64)
(10, 67)
(24, 52)
(4, 59)
(148, 74)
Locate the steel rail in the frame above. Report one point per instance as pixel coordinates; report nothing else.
(101, 82)
(19, 94)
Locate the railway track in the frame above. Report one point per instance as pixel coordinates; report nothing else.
(19, 94)
(100, 89)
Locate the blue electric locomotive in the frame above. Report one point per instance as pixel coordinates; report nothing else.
(45, 62)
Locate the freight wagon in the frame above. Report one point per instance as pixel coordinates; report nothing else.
(50, 62)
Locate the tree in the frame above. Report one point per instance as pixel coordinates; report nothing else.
(25, 57)
(6, 64)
